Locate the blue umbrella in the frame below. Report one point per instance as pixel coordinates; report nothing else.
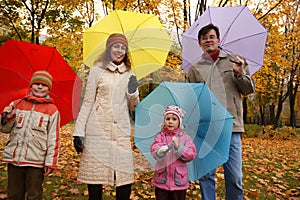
(206, 121)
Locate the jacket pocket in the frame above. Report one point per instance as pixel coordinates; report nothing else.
(36, 151)
(238, 107)
(40, 123)
(181, 175)
(160, 176)
(20, 120)
(10, 150)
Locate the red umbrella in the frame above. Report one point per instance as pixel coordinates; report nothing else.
(19, 60)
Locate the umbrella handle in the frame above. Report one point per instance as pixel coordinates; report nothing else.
(236, 62)
(3, 115)
(231, 59)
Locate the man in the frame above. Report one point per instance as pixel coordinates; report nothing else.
(228, 78)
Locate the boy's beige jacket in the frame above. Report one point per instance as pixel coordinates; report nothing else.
(34, 134)
(104, 123)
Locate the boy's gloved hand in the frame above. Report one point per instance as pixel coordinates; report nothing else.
(132, 84)
(78, 143)
(162, 150)
(3, 116)
(8, 113)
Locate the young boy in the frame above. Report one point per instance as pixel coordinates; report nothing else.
(32, 149)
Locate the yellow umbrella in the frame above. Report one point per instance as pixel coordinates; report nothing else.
(148, 41)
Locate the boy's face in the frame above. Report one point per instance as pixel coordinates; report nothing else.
(39, 90)
(209, 42)
(171, 122)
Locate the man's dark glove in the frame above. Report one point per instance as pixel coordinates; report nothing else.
(78, 143)
(132, 84)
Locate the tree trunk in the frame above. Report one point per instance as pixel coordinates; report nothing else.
(271, 114)
(185, 15)
(292, 100)
(281, 98)
(262, 116)
(278, 113)
(201, 7)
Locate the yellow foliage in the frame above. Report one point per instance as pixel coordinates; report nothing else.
(282, 43)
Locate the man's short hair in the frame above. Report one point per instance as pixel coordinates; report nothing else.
(206, 29)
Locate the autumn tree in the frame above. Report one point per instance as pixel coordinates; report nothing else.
(280, 81)
(293, 34)
(26, 17)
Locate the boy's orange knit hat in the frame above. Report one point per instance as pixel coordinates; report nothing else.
(41, 77)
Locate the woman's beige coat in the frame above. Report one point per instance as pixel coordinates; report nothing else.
(104, 123)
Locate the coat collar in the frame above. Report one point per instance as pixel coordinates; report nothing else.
(222, 55)
(32, 98)
(173, 132)
(113, 67)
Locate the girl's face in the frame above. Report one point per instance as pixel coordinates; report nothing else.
(117, 52)
(39, 90)
(171, 122)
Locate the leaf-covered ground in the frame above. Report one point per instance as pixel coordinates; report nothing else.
(271, 171)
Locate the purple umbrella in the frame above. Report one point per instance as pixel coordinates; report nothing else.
(240, 32)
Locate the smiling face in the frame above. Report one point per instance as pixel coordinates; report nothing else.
(209, 42)
(39, 90)
(171, 122)
(117, 52)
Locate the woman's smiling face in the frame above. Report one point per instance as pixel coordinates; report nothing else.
(117, 52)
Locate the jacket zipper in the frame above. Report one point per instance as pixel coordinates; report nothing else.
(24, 134)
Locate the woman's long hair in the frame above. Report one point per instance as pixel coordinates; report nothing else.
(105, 58)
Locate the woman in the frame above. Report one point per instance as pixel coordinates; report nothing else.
(103, 129)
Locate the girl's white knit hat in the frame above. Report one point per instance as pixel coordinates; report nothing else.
(176, 111)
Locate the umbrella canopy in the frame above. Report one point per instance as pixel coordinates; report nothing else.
(206, 121)
(240, 32)
(148, 42)
(18, 62)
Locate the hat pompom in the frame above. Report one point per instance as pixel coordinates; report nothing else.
(41, 77)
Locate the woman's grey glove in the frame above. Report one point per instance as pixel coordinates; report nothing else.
(132, 84)
(78, 143)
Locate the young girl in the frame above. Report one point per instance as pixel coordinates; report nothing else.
(172, 148)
